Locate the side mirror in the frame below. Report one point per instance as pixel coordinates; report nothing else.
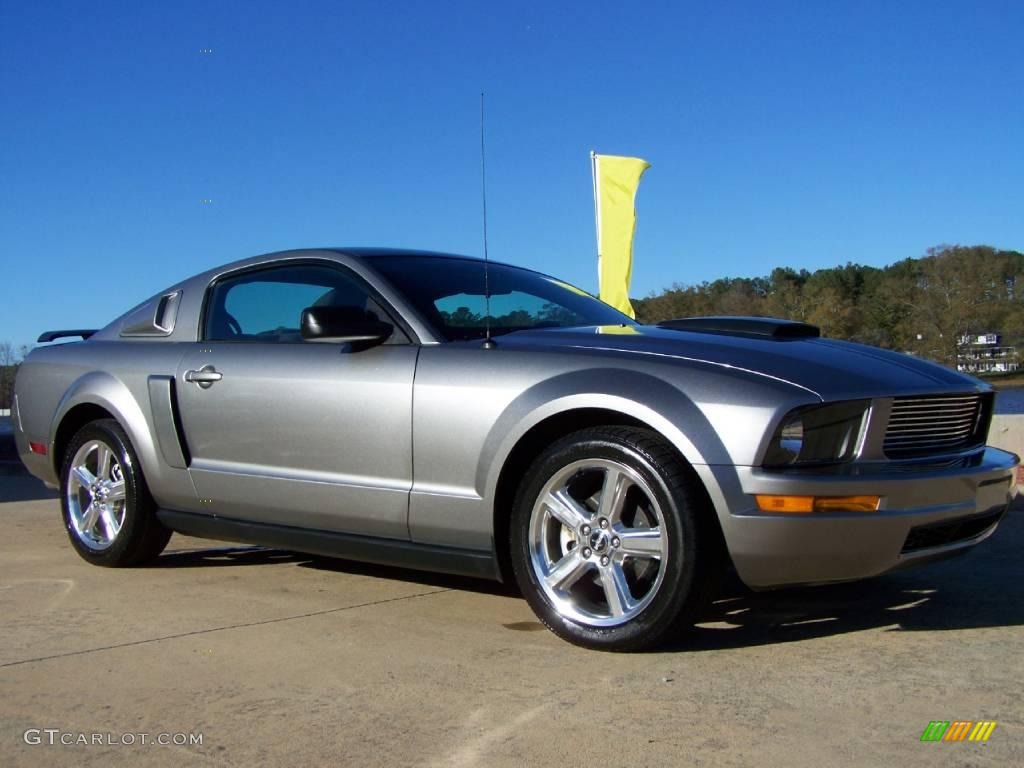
(337, 325)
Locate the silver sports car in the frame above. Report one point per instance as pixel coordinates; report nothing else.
(416, 409)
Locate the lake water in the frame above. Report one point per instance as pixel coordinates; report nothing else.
(1010, 400)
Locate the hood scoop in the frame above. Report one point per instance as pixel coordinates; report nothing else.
(758, 327)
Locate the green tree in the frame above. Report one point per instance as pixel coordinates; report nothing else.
(924, 306)
(9, 359)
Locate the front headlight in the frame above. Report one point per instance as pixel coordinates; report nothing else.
(820, 434)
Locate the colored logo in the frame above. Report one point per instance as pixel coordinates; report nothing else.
(958, 730)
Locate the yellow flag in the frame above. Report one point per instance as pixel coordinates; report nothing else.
(615, 183)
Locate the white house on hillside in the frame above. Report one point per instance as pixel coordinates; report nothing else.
(984, 353)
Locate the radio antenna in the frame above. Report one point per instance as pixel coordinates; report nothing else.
(488, 341)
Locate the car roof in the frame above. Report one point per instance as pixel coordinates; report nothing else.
(371, 253)
(361, 252)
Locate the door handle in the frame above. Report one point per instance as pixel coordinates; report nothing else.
(204, 377)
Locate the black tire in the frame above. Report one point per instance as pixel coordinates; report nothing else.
(141, 537)
(692, 540)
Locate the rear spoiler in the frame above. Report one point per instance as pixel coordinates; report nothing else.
(54, 335)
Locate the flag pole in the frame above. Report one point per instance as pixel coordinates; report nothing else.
(597, 215)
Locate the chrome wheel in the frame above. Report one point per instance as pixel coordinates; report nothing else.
(597, 542)
(96, 495)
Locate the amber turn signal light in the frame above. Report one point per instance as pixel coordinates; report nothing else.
(805, 504)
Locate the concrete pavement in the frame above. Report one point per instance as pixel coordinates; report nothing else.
(282, 659)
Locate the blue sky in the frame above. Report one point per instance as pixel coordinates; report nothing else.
(801, 134)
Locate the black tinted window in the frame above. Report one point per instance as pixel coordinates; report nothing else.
(450, 293)
(266, 305)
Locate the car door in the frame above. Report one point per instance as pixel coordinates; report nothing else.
(290, 432)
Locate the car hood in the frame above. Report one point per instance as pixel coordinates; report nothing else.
(829, 368)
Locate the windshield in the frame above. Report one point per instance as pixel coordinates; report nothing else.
(449, 293)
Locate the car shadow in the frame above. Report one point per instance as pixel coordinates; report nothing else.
(17, 485)
(234, 556)
(984, 588)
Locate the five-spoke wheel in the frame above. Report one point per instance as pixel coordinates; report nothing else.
(95, 495)
(597, 541)
(108, 511)
(612, 539)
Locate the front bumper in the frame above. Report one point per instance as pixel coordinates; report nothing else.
(926, 513)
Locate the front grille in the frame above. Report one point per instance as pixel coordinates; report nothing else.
(950, 531)
(936, 424)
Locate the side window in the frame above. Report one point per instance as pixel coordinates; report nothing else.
(266, 305)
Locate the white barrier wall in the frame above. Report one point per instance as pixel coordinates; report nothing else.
(1007, 432)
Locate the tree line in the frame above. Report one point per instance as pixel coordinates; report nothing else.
(10, 357)
(922, 306)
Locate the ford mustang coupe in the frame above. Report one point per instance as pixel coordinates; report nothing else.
(406, 408)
